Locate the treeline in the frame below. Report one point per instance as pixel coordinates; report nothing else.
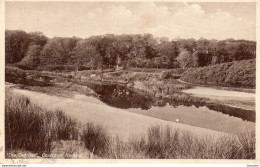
(36, 51)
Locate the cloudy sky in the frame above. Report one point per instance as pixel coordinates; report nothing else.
(168, 19)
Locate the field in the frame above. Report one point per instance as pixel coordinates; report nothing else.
(233, 74)
(158, 141)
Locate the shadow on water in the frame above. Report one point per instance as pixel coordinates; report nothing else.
(120, 96)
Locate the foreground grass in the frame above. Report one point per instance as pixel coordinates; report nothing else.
(31, 128)
(165, 143)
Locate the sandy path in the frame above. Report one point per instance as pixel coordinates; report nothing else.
(117, 121)
(236, 98)
(218, 92)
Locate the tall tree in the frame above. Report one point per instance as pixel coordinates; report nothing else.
(38, 38)
(85, 54)
(185, 59)
(32, 58)
(16, 45)
(58, 51)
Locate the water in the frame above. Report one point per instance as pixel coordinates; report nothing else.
(120, 96)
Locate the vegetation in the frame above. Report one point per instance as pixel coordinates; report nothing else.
(96, 139)
(18, 76)
(234, 74)
(36, 51)
(19, 44)
(32, 128)
(173, 144)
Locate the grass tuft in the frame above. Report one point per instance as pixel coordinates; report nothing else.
(32, 128)
(96, 139)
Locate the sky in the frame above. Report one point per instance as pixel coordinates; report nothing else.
(210, 20)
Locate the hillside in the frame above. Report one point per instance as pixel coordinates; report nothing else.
(233, 74)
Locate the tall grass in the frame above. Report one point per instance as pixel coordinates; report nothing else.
(96, 139)
(177, 144)
(166, 143)
(32, 128)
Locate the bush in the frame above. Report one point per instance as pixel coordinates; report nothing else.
(233, 74)
(165, 75)
(18, 76)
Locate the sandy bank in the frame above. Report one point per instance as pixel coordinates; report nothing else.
(117, 121)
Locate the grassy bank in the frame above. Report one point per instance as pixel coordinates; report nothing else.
(29, 127)
(233, 74)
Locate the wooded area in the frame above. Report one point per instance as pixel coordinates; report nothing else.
(36, 51)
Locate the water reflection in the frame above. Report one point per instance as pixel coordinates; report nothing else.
(122, 97)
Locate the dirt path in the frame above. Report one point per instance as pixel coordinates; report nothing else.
(117, 121)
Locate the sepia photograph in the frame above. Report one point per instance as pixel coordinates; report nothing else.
(130, 80)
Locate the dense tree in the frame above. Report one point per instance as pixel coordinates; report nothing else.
(58, 51)
(185, 58)
(16, 45)
(85, 54)
(37, 38)
(33, 50)
(169, 51)
(101, 44)
(32, 58)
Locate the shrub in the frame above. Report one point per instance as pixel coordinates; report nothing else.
(19, 76)
(234, 74)
(165, 75)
